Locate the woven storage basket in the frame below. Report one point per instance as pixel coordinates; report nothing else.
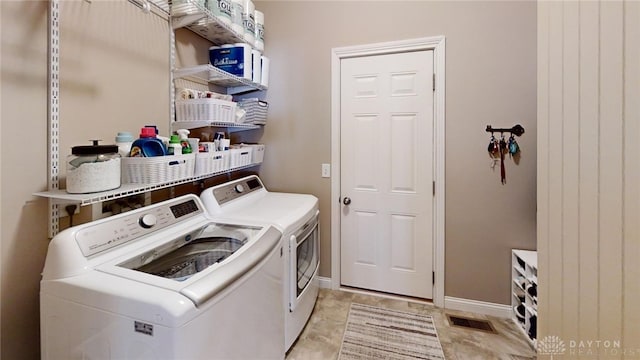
(211, 162)
(157, 169)
(240, 157)
(205, 110)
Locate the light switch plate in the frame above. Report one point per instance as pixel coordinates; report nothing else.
(326, 170)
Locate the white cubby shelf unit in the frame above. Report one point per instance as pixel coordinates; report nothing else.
(524, 292)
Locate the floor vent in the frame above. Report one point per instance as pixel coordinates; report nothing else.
(475, 324)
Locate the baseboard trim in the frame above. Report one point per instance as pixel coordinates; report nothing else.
(454, 303)
(479, 307)
(325, 282)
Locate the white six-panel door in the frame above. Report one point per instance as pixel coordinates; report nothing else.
(386, 116)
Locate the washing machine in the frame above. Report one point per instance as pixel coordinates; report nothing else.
(297, 217)
(164, 282)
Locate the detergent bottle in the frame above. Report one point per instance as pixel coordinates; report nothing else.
(175, 148)
(124, 140)
(183, 134)
(148, 144)
(165, 140)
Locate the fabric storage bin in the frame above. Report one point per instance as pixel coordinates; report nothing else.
(205, 110)
(211, 162)
(240, 157)
(256, 111)
(157, 169)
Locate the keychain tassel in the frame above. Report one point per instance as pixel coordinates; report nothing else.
(503, 150)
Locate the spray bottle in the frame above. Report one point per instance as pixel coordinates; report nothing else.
(183, 134)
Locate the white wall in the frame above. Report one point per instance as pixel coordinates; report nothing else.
(589, 173)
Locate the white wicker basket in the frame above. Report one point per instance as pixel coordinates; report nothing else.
(240, 157)
(157, 169)
(211, 162)
(206, 110)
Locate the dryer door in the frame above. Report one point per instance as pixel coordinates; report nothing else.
(305, 260)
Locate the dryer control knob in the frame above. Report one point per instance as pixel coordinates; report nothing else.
(239, 188)
(148, 221)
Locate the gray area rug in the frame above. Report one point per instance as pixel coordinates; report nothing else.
(376, 333)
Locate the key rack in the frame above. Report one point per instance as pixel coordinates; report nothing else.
(498, 149)
(517, 130)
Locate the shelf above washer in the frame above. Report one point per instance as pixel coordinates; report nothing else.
(61, 197)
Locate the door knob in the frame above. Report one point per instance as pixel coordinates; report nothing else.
(346, 201)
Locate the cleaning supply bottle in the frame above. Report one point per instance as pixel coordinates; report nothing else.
(175, 148)
(147, 145)
(124, 140)
(183, 134)
(164, 139)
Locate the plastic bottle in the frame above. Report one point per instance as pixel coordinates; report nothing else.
(147, 145)
(183, 134)
(124, 140)
(164, 139)
(175, 148)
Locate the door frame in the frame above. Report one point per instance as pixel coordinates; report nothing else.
(437, 44)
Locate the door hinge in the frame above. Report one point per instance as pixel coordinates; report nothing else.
(433, 277)
(434, 81)
(434, 188)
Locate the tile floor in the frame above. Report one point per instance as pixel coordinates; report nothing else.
(322, 336)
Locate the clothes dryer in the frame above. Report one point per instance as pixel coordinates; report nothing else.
(297, 217)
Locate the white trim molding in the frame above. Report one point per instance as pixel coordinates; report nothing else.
(478, 307)
(437, 45)
(325, 282)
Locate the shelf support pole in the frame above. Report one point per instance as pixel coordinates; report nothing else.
(54, 112)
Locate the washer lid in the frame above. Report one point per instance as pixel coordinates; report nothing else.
(285, 210)
(186, 257)
(199, 263)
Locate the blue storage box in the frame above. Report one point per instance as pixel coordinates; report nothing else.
(234, 59)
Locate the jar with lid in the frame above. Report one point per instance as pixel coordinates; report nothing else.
(93, 168)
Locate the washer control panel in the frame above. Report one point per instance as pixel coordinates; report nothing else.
(119, 229)
(236, 189)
